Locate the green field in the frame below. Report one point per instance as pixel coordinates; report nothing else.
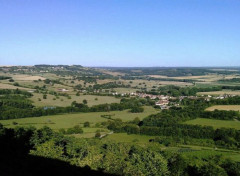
(229, 92)
(69, 120)
(125, 90)
(204, 152)
(123, 137)
(215, 123)
(64, 101)
(90, 132)
(224, 107)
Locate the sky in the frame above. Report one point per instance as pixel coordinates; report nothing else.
(124, 33)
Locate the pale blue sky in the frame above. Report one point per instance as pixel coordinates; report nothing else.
(120, 32)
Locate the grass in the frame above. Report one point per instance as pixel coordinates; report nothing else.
(224, 107)
(123, 137)
(64, 101)
(215, 123)
(220, 92)
(69, 120)
(90, 132)
(207, 151)
(9, 86)
(125, 90)
(127, 116)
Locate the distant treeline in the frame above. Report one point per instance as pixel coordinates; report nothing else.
(128, 77)
(170, 71)
(233, 80)
(5, 77)
(187, 91)
(110, 85)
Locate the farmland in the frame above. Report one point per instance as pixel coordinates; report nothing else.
(224, 107)
(229, 92)
(124, 109)
(214, 123)
(51, 100)
(69, 120)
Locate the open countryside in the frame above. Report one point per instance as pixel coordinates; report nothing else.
(120, 88)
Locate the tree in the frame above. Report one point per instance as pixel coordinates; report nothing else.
(85, 101)
(86, 124)
(137, 109)
(97, 135)
(44, 96)
(48, 149)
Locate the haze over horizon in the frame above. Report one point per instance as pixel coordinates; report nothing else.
(136, 33)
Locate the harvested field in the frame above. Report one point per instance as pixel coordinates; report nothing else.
(229, 92)
(224, 107)
(9, 86)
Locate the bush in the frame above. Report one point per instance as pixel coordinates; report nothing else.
(86, 124)
(44, 96)
(14, 123)
(97, 135)
(137, 109)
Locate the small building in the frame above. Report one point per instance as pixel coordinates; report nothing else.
(63, 90)
(162, 102)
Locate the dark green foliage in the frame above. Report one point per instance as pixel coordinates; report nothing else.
(86, 124)
(44, 96)
(137, 109)
(221, 115)
(85, 102)
(109, 85)
(5, 77)
(97, 135)
(16, 84)
(110, 157)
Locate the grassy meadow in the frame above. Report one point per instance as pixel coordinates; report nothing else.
(132, 138)
(224, 107)
(65, 101)
(214, 123)
(230, 92)
(69, 120)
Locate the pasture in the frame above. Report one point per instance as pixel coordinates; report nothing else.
(125, 90)
(90, 132)
(69, 120)
(229, 92)
(65, 101)
(9, 86)
(224, 107)
(139, 83)
(204, 152)
(214, 123)
(129, 138)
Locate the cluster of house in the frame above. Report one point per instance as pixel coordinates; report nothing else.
(153, 97)
(122, 94)
(163, 100)
(220, 97)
